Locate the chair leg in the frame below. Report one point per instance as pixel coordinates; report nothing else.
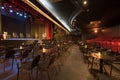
(37, 74)
(111, 70)
(4, 65)
(59, 67)
(18, 71)
(12, 64)
(89, 64)
(105, 71)
(48, 74)
(18, 75)
(30, 76)
(61, 63)
(55, 70)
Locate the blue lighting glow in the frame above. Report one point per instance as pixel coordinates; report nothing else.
(10, 11)
(21, 14)
(17, 13)
(25, 16)
(2, 7)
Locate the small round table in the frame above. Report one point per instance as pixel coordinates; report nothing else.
(44, 52)
(102, 58)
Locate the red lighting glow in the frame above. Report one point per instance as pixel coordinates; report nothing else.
(95, 30)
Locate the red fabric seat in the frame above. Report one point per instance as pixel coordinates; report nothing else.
(114, 46)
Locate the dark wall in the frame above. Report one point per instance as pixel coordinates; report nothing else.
(111, 32)
(11, 25)
(114, 31)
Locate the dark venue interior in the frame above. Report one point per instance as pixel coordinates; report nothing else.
(59, 39)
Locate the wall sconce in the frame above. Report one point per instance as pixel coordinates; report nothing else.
(44, 35)
(36, 35)
(95, 31)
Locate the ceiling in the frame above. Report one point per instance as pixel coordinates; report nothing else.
(106, 11)
(77, 17)
(62, 11)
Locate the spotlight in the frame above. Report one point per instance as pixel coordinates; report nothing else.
(21, 14)
(85, 2)
(2, 7)
(17, 13)
(25, 16)
(10, 11)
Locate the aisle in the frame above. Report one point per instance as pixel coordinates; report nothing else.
(74, 67)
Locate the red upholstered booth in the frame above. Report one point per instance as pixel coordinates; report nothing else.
(114, 46)
(118, 43)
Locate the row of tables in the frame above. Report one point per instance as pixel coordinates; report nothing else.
(103, 57)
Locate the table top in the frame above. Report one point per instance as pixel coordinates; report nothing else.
(102, 56)
(45, 50)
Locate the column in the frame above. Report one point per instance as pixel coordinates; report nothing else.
(0, 18)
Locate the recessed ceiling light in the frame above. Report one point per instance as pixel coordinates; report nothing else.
(85, 2)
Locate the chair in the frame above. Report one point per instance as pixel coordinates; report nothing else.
(28, 67)
(9, 55)
(100, 76)
(24, 56)
(115, 65)
(59, 59)
(45, 67)
(2, 54)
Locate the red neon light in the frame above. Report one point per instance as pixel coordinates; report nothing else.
(48, 30)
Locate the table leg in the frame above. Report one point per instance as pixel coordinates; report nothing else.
(43, 56)
(92, 62)
(101, 66)
(91, 68)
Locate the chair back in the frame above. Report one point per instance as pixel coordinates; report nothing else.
(35, 61)
(52, 60)
(118, 58)
(25, 54)
(10, 54)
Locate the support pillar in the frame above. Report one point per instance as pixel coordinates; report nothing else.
(0, 18)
